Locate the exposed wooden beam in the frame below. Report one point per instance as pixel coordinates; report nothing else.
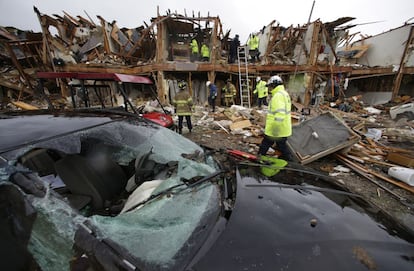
(404, 58)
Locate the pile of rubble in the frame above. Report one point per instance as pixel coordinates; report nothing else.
(374, 143)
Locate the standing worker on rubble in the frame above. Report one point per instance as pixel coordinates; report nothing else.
(253, 44)
(261, 91)
(234, 45)
(212, 95)
(194, 50)
(205, 52)
(183, 104)
(278, 119)
(229, 91)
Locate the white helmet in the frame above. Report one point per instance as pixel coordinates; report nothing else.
(275, 80)
(258, 78)
(208, 83)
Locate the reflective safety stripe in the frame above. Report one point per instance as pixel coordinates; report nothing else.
(279, 119)
(282, 111)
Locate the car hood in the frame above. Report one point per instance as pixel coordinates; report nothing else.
(276, 226)
(159, 118)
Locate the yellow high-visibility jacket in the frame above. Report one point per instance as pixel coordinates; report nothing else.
(278, 119)
(205, 52)
(194, 46)
(253, 42)
(261, 89)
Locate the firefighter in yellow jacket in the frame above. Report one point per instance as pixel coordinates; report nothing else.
(261, 91)
(278, 119)
(183, 106)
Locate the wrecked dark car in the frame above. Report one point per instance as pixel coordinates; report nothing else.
(102, 190)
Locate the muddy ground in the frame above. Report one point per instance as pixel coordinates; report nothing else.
(400, 205)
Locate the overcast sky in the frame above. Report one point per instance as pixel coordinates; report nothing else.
(242, 17)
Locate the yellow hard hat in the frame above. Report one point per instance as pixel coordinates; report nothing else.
(271, 165)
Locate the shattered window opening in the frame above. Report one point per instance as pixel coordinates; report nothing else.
(180, 213)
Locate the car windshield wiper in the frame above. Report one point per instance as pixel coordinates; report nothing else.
(284, 168)
(170, 189)
(206, 178)
(102, 251)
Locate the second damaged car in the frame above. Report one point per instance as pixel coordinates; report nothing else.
(96, 190)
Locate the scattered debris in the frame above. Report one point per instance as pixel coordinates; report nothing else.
(362, 255)
(352, 103)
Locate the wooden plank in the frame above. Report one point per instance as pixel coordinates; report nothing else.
(342, 113)
(377, 174)
(382, 163)
(360, 160)
(253, 140)
(221, 126)
(404, 58)
(369, 177)
(360, 48)
(392, 181)
(236, 118)
(401, 159)
(372, 147)
(25, 106)
(240, 125)
(371, 142)
(18, 87)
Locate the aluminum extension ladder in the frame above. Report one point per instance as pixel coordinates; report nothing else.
(244, 82)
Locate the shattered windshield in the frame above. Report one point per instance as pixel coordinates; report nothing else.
(160, 232)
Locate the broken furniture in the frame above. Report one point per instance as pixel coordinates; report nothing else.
(320, 136)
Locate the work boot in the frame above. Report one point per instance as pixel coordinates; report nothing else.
(180, 131)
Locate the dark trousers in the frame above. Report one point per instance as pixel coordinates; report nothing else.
(254, 54)
(194, 57)
(232, 57)
(212, 102)
(187, 120)
(281, 146)
(261, 101)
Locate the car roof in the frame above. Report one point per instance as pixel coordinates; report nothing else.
(20, 129)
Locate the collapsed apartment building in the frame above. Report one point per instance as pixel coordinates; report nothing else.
(318, 61)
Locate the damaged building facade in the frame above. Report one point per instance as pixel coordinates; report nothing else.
(318, 61)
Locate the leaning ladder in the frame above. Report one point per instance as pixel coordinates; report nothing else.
(242, 57)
